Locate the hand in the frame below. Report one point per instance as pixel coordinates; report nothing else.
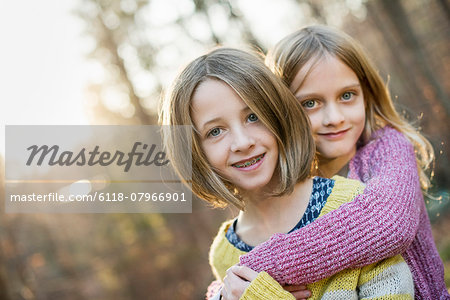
(298, 291)
(238, 278)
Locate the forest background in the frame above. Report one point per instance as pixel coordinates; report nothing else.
(135, 47)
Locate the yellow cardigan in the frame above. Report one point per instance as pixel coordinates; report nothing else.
(387, 279)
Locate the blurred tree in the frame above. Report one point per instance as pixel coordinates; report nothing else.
(129, 47)
(445, 8)
(405, 33)
(111, 24)
(408, 56)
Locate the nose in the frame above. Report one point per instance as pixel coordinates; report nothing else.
(242, 140)
(333, 115)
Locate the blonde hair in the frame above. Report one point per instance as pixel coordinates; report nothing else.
(265, 94)
(289, 56)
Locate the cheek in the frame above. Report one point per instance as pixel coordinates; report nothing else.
(316, 121)
(273, 142)
(359, 114)
(213, 154)
(268, 138)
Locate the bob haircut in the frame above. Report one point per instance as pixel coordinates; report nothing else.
(266, 95)
(291, 54)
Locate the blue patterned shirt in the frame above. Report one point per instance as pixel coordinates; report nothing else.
(322, 188)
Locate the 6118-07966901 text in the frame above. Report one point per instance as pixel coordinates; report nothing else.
(100, 196)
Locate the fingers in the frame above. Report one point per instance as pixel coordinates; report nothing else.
(301, 294)
(243, 272)
(293, 288)
(298, 291)
(234, 286)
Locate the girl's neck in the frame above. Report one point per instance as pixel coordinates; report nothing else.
(265, 216)
(336, 166)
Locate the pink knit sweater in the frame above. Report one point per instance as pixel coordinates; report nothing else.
(388, 219)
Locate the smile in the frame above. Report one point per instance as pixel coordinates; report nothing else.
(334, 135)
(248, 163)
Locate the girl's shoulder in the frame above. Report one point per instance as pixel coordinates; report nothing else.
(387, 132)
(222, 254)
(386, 148)
(222, 231)
(386, 141)
(340, 185)
(387, 135)
(344, 191)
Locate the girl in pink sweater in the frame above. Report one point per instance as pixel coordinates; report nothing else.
(360, 135)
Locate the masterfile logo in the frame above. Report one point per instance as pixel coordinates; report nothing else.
(73, 169)
(93, 157)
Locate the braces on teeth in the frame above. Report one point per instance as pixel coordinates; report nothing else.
(249, 163)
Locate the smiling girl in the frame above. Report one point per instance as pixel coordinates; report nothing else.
(252, 147)
(360, 135)
(332, 96)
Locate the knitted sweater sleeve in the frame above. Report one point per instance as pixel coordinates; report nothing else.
(265, 287)
(262, 287)
(377, 224)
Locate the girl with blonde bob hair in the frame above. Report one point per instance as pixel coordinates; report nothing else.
(265, 95)
(252, 147)
(359, 133)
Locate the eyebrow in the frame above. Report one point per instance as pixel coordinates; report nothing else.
(209, 122)
(246, 108)
(354, 85)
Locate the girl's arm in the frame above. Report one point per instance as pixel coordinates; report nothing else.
(261, 286)
(263, 283)
(379, 223)
(245, 284)
(265, 287)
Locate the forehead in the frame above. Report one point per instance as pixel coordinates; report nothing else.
(213, 99)
(324, 71)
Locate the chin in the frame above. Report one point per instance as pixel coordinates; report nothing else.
(334, 155)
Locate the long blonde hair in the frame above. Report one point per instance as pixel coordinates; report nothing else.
(265, 94)
(289, 56)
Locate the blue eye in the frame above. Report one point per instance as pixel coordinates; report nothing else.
(214, 132)
(347, 95)
(252, 118)
(309, 103)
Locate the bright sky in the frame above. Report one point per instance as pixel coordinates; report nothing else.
(43, 69)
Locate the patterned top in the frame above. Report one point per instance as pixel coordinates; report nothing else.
(321, 189)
